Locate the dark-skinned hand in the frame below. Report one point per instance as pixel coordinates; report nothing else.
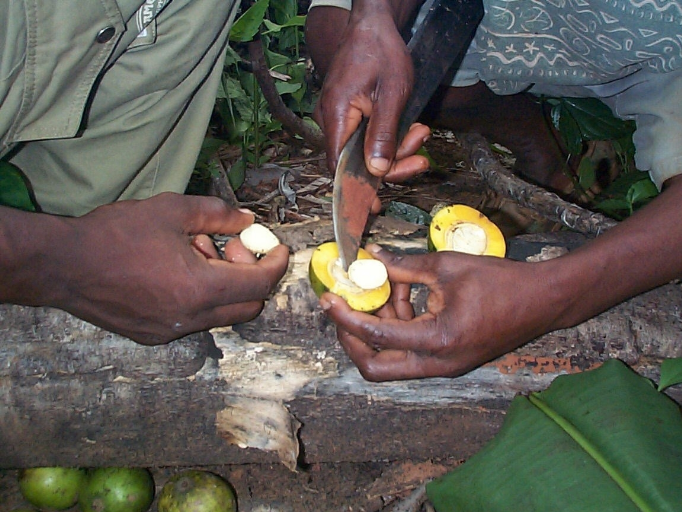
(472, 315)
(146, 270)
(371, 76)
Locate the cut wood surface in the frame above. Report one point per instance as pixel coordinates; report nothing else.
(279, 388)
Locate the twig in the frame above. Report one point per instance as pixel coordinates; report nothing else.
(220, 184)
(279, 110)
(547, 204)
(413, 503)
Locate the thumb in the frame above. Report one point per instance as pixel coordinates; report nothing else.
(212, 215)
(404, 268)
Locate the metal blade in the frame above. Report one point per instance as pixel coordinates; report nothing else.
(354, 191)
(438, 46)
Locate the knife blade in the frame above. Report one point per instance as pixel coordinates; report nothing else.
(436, 47)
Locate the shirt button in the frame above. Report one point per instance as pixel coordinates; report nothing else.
(105, 35)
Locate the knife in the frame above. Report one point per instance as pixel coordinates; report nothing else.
(437, 46)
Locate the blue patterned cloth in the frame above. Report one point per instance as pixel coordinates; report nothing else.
(574, 42)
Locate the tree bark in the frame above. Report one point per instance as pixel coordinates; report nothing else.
(279, 388)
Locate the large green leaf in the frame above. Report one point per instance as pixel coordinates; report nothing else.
(603, 440)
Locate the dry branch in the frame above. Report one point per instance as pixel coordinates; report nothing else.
(279, 110)
(547, 204)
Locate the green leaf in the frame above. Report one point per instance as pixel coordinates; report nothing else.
(595, 119)
(587, 173)
(671, 373)
(642, 191)
(274, 28)
(615, 207)
(236, 175)
(246, 27)
(602, 440)
(286, 87)
(14, 191)
(408, 213)
(570, 130)
(624, 182)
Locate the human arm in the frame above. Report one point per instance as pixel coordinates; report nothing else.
(482, 307)
(134, 268)
(368, 73)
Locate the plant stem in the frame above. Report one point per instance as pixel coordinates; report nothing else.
(256, 127)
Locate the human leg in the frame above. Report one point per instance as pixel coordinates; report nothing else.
(516, 121)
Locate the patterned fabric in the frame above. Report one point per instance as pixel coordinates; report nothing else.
(574, 42)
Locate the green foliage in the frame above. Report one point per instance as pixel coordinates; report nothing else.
(14, 190)
(588, 119)
(671, 373)
(241, 112)
(600, 440)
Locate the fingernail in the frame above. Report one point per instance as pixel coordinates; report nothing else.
(381, 164)
(246, 210)
(325, 305)
(426, 139)
(373, 248)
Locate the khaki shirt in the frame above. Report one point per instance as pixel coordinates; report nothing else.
(109, 99)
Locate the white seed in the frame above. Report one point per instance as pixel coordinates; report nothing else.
(367, 274)
(468, 238)
(258, 239)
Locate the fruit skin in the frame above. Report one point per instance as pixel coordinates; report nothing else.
(197, 491)
(114, 489)
(450, 216)
(51, 488)
(322, 281)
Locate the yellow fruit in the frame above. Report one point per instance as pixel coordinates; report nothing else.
(464, 229)
(327, 274)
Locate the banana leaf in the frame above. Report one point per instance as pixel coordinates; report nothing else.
(602, 440)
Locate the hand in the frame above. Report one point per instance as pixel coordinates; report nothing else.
(143, 270)
(371, 76)
(478, 308)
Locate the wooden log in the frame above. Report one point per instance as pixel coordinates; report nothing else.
(279, 388)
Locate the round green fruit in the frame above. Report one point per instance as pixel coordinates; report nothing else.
(197, 491)
(117, 490)
(51, 488)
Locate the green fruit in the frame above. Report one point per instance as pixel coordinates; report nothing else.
(117, 490)
(197, 491)
(51, 488)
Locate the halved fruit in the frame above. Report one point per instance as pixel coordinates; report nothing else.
(464, 229)
(367, 291)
